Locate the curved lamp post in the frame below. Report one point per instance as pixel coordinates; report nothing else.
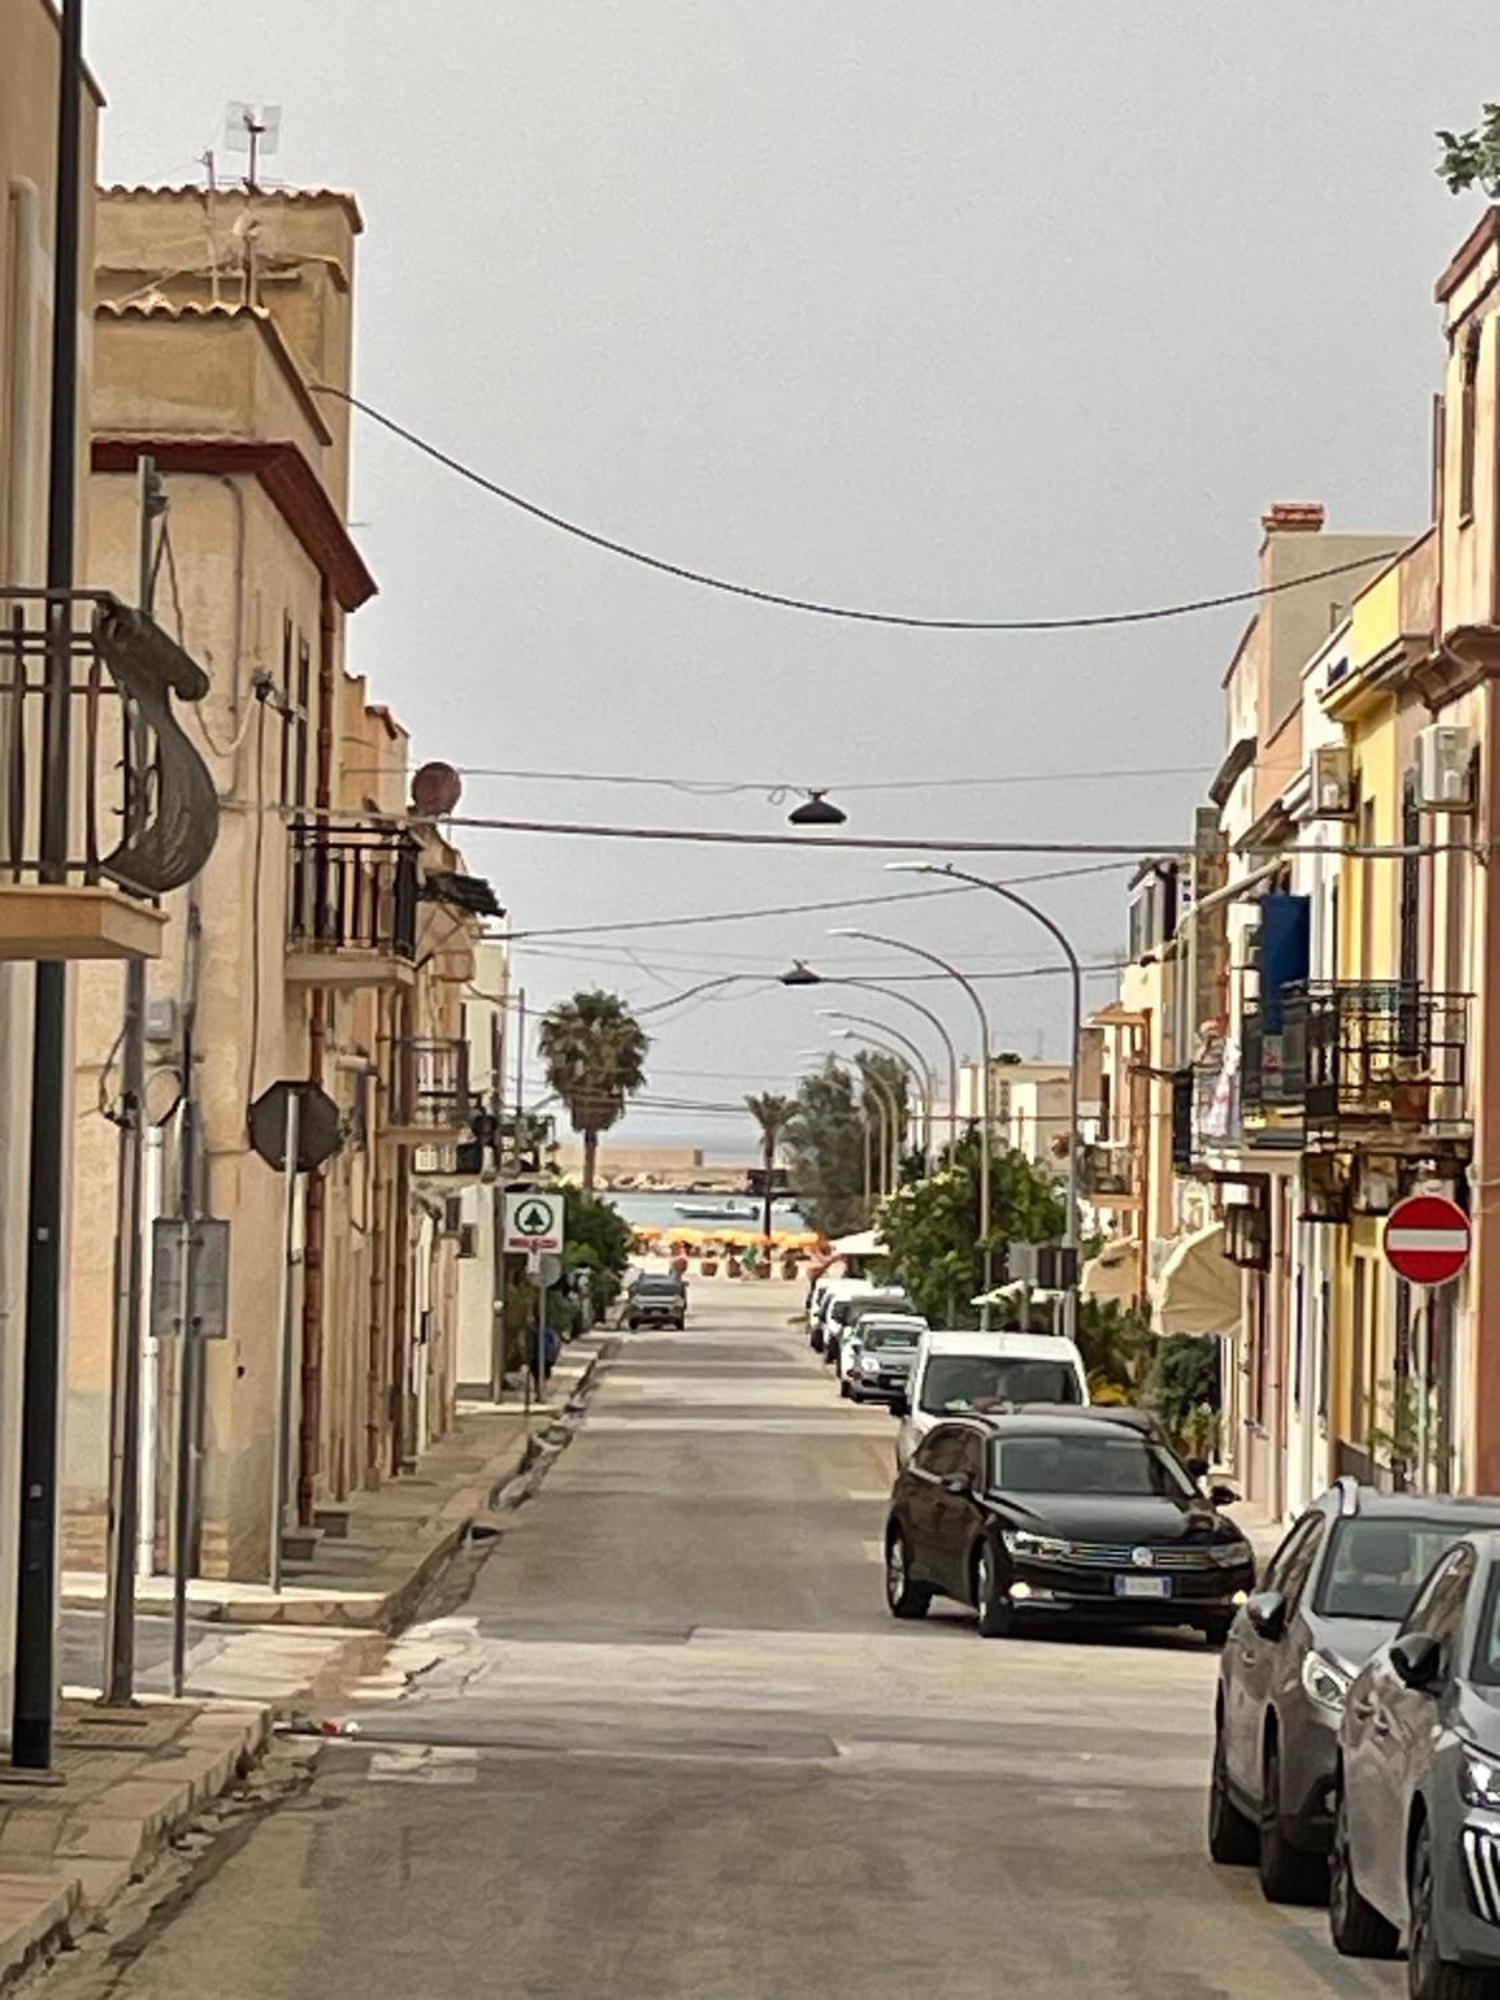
(886, 1115)
(802, 974)
(920, 951)
(890, 1041)
(1070, 1225)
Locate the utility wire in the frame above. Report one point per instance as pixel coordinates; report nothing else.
(911, 622)
(1133, 849)
(779, 789)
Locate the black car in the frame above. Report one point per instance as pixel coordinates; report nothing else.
(1335, 1591)
(657, 1301)
(1020, 1513)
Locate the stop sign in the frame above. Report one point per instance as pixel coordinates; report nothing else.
(1426, 1239)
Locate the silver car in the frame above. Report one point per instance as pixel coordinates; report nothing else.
(876, 1356)
(1416, 1842)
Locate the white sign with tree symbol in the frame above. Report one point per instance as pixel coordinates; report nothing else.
(534, 1223)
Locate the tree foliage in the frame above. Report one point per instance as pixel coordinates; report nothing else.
(1472, 159)
(1116, 1343)
(1184, 1384)
(825, 1151)
(932, 1227)
(594, 1052)
(599, 1241)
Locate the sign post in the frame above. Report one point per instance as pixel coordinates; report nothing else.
(534, 1224)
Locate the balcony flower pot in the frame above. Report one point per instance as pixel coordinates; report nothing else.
(709, 1267)
(732, 1267)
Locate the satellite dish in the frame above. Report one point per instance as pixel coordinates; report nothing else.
(435, 790)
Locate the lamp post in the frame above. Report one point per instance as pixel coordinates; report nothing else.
(884, 1111)
(920, 951)
(1075, 970)
(802, 974)
(891, 1041)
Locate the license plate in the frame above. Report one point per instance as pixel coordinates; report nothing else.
(1143, 1586)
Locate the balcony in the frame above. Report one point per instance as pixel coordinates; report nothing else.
(431, 1104)
(1205, 1111)
(351, 906)
(1380, 1061)
(86, 697)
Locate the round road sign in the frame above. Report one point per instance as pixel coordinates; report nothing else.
(1426, 1239)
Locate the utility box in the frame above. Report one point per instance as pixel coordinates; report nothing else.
(1332, 782)
(1445, 768)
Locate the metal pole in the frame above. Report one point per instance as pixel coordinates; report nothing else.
(910, 1057)
(889, 993)
(541, 1343)
(36, 1580)
(1075, 1148)
(293, 1142)
(890, 1126)
(987, 1264)
(125, 1384)
(190, 1357)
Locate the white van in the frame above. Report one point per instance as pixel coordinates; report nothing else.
(824, 1293)
(958, 1372)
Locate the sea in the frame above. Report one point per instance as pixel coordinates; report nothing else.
(659, 1211)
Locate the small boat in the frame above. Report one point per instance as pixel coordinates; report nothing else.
(716, 1211)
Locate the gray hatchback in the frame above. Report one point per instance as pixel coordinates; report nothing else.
(1416, 1846)
(1336, 1589)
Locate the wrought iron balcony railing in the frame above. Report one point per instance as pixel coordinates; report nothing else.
(103, 792)
(352, 904)
(430, 1098)
(1205, 1111)
(1387, 1058)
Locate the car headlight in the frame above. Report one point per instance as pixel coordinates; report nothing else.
(869, 1364)
(1479, 1777)
(1021, 1542)
(1326, 1682)
(1231, 1555)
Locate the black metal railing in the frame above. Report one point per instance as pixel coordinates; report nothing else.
(1366, 1053)
(1205, 1111)
(99, 782)
(353, 888)
(430, 1090)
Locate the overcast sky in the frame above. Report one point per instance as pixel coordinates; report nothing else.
(988, 308)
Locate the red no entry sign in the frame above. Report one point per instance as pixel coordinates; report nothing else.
(1426, 1239)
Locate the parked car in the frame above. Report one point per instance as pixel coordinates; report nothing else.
(847, 1307)
(657, 1300)
(1335, 1590)
(1416, 1840)
(825, 1292)
(956, 1372)
(876, 1356)
(1023, 1513)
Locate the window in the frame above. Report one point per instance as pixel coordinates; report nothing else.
(1376, 1564)
(942, 1453)
(1130, 1467)
(1302, 1558)
(955, 1382)
(1288, 1556)
(1439, 1606)
(1486, 1665)
(1468, 425)
(1359, 1352)
(304, 710)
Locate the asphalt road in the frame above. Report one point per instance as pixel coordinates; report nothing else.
(673, 1747)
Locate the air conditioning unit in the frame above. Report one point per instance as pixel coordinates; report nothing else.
(1332, 779)
(1445, 768)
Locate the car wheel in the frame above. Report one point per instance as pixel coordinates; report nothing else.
(843, 1389)
(997, 1615)
(905, 1598)
(1231, 1837)
(1287, 1873)
(1357, 1928)
(1428, 1976)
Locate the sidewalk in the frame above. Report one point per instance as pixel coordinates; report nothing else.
(130, 1783)
(399, 1536)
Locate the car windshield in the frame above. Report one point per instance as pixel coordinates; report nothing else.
(1123, 1464)
(1374, 1566)
(846, 1311)
(1486, 1663)
(957, 1382)
(896, 1335)
(667, 1287)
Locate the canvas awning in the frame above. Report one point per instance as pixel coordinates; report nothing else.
(1198, 1289)
(1114, 1274)
(863, 1243)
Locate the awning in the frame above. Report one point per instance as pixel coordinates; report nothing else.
(1198, 1290)
(864, 1243)
(1114, 1273)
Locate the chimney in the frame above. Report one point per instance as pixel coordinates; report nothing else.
(1294, 517)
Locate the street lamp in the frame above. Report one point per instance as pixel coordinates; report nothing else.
(816, 809)
(884, 1108)
(802, 974)
(920, 951)
(891, 1040)
(1070, 1226)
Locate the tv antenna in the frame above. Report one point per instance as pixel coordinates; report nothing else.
(254, 129)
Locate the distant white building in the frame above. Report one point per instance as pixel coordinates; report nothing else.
(1028, 1108)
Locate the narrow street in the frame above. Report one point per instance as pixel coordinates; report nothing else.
(674, 1746)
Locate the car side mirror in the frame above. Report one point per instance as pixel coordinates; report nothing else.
(1196, 1467)
(900, 1406)
(1417, 1659)
(1223, 1496)
(1266, 1611)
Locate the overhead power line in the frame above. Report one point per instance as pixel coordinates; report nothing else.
(860, 615)
(704, 836)
(777, 789)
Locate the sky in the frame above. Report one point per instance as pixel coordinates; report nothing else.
(985, 309)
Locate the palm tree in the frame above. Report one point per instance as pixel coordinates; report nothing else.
(594, 1050)
(772, 1114)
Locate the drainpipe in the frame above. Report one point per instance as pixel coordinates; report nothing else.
(379, 1289)
(401, 1275)
(315, 1223)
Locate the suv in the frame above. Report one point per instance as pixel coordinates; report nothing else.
(1335, 1591)
(845, 1308)
(657, 1300)
(960, 1373)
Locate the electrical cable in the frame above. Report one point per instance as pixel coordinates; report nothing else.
(908, 621)
(779, 789)
(708, 837)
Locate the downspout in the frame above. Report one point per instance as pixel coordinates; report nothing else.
(401, 1275)
(379, 1249)
(315, 1223)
